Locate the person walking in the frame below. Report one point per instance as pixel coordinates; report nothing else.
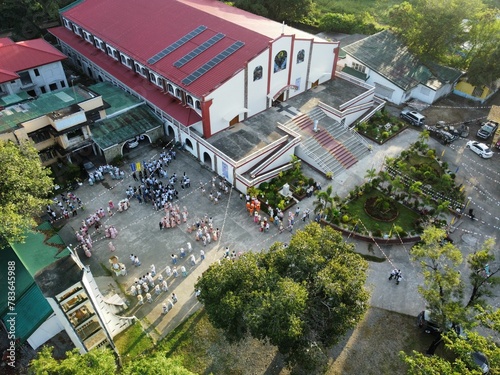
(399, 277)
(202, 254)
(184, 271)
(174, 298)
(393, 274)
(174, 258)
(192, 259)
(164, 309)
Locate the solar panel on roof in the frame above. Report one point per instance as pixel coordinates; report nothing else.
(203, 47)
(186, 38)
(210, 64)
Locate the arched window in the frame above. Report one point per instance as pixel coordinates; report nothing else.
(189, 143)
(190, 100)
(170, 88)
(280, 61)
(257, 73)
(301, 56)
(178, 93)
(198, 105)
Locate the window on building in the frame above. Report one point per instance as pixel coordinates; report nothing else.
(88, 37)
(63, 85)
(280, 61)
(75, 133)
(126, 60)
(152, 77)
(40, 136)
(37, 72)
(159, 81)
(198, 105)
(358, 67)
(170, 88)
(25, 78)
(190, 100)
(77, 30)
(257, 73)
(178, 93)
(47, 155)
(53, 86)
(67, 24)
(43, 89)
(301, 55)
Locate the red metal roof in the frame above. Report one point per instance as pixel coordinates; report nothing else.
(152, 93)
(15, 57)
(141, 29)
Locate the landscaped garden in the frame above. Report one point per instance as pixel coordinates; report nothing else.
(269, 193)
(381, 127)
(411, 191)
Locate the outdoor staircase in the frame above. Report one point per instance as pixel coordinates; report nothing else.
(334, 147)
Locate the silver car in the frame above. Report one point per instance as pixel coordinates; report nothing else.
(481, 149)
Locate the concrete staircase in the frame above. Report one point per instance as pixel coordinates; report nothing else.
(334, 147)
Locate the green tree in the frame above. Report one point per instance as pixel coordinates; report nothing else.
(302, 297)
(278, 10)
(483, 276)
(479, 55)
(443, 287)
(371, 174)
(98, 361)
(434, 29)
(460, 360)
(24, 188)
(325, 201)
(156, 364)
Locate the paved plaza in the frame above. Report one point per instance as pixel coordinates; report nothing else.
(139, 234)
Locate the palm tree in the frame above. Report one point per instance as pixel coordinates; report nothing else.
(370, 174)
(324, 200)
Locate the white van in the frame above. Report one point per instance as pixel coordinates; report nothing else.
(413, 117)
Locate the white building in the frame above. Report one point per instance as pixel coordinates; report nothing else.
(31, 66)
(203, 67)
(382, 60)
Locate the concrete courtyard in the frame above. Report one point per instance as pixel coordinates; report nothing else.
(139, 232)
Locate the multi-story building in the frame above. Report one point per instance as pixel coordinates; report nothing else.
(204, 67)
(30, 68)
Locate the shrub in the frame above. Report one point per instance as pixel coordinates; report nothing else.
(339, 22)
(384, 135)
(345, 218)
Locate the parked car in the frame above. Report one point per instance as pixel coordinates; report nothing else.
(481, 149)
(424, 321)
(441, 135)
(89, 167)
(413, 117)
(481, 361)
(487, 129)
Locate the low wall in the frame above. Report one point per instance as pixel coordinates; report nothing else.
(380, 241)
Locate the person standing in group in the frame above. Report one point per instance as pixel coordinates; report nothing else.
(399, 277)
(393, 274)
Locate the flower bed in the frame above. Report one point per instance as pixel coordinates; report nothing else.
(381, 127)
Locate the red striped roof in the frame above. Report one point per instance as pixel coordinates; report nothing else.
(141, 29)
(19, 56)
(152, 93)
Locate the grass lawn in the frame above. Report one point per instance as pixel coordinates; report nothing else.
(372, 348)
(405, 220)
(132, 342)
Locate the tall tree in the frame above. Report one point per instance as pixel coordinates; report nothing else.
(24, 188)
(433, 28)
(302, 297)
(278, 10)
(156, 364)
(443, 287)
(444, 291)
(98, 361)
